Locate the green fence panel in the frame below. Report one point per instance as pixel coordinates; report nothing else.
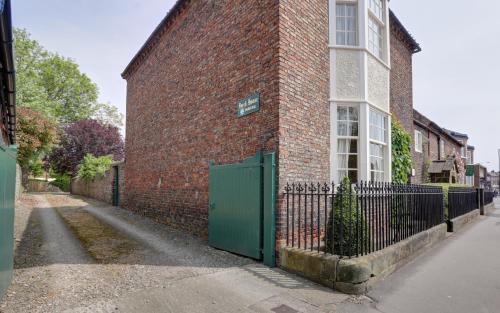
(235, 207)
(7, 203)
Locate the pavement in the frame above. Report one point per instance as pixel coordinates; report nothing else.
(153, 268)
(460, 275)
(150, 268)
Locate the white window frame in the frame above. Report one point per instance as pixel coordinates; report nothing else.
(419, 141)
(345, 19)
(348, 137)
(376, 37)
(383, 144)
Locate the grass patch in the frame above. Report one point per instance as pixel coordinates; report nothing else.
(103, 242)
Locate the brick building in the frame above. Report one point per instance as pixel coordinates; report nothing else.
(320, 69)
(433, 144)
(403, 47)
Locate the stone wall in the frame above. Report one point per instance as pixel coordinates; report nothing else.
(102, 187)
(357, 275)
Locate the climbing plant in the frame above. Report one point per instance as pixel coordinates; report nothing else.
(401, 154)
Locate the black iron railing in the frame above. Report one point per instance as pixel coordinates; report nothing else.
(462, 200)
(488, 197)
(354, 220)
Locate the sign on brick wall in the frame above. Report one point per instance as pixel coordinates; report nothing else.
(249, 105)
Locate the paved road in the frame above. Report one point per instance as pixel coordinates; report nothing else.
(76, 255)
(461, 275)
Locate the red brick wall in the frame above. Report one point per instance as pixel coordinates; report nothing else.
(102, 187)
(181, 106)
(401, 81)
(304, 142)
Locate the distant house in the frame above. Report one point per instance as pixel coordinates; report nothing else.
(481, 176)
(437, 155)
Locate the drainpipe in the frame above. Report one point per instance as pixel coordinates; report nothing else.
(7, 59)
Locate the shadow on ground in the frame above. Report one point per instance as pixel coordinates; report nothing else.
(95, 233)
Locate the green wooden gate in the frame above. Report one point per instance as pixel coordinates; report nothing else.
(241, 207)
(116, 186)
(7, 202)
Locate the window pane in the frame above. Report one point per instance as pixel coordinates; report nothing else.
(342, 129)
(353, 129)
(347, 146)
(353, 161)
(353, 176)
(342, 113)
(340, 38)
(351, 39)
(341, 9)
(340, 23)
(353, 113)
(350, 10)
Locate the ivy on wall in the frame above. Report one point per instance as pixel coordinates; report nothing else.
(401, 154)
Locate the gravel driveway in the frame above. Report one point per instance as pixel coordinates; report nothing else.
(79, 255)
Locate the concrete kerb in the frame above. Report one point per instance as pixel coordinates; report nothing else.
(460, 222)
(357, 275)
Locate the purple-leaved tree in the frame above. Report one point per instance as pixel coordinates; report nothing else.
(85, 137)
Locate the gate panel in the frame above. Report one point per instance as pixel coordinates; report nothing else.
(7, 202)
(235, 207)
(116, 186)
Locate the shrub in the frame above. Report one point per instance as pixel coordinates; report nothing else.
(345, 211)
(82, 138)
(93, 167)
(62, 181)
(446, 187)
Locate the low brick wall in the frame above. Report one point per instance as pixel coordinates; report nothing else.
(460, 222)
(357, 276)
(101, 188)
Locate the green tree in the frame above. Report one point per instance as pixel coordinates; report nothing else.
(29, 55)
(36, 135)
(401, 154)
(72, 95)
(54, 85)
(108, 114)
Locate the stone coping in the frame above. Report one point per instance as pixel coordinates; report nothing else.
(460, 222)
(357, 275)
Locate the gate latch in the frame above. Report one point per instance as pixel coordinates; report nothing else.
(211, 206)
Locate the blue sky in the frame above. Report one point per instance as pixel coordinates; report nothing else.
(456, 80)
